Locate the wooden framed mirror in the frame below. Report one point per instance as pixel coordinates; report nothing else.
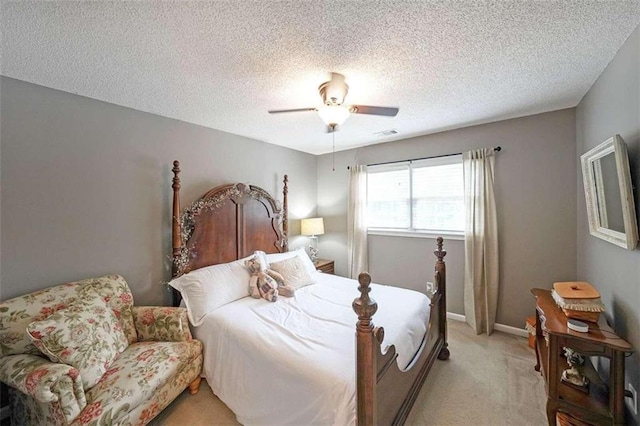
(609, 193)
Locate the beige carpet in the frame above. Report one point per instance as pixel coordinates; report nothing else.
(489, 380)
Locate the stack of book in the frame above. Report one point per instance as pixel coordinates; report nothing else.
(578, 299)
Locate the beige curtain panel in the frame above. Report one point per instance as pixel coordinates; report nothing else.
(480, 240)
(356, 217)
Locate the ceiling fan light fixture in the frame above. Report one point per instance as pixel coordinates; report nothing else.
(333, 115)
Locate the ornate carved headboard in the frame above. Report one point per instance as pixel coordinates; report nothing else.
(227, 223)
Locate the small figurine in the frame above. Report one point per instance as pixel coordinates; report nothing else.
(574, 376)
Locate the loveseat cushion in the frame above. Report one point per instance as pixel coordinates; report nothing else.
(86, 335)
(161, 323)
(116, 293)
(17, 313)
(147, 375)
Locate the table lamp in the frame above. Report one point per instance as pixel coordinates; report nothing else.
(312, 227)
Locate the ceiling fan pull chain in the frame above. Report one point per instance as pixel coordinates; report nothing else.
(333, 155)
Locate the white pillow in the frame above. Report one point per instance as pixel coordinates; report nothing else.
(294, 271)
(300, 252)
(206, 289)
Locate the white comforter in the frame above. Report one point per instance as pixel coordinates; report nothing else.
(292, 362)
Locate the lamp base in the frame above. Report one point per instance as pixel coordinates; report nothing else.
(313, 249)
(313, 254)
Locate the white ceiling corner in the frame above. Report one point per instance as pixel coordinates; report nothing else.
(445, 64)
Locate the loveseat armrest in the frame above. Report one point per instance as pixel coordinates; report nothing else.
(161, 323)
(45, 381)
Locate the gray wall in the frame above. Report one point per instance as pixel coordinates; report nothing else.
(536, 202)
(86, 187)
(612, 106)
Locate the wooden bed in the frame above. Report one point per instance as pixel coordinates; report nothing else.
(232, 221)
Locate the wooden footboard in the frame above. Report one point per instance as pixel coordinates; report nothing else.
(385, 394)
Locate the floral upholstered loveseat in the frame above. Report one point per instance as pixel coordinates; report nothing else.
(81, 353)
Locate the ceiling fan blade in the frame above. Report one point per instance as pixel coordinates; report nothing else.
(374, 110)
(278, 111)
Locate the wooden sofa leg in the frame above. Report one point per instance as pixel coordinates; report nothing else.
(195, 385)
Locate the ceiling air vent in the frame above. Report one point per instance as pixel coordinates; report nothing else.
(386, 133)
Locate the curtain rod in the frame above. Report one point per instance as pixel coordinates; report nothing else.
(497, 149)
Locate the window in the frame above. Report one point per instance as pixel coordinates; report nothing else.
(423, 196)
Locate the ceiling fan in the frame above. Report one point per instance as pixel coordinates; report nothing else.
(333, 110)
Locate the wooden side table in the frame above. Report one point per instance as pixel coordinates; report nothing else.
(602, 403)
(325, 265)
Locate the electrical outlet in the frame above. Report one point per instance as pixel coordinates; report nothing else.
(632, 400)
(430, 287)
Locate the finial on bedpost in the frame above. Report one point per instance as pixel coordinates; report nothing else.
(176, 240)
(364, 306)
(285, 214)
(440, 278)
(440, 254)
(367, 342)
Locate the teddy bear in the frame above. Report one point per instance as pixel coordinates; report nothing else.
(266, 283)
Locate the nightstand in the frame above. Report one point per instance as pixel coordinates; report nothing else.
(600, 402)
(324, 265)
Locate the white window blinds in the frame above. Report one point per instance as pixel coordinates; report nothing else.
(389, 196)
(422, 196)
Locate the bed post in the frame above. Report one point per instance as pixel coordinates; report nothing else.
(285, 214)
(367, 340)
(176, 241)
(441, 283)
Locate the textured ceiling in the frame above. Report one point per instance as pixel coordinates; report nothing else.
(445, 64)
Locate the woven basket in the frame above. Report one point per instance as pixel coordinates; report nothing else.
(530, 326)
(578, 300)
(563, 419)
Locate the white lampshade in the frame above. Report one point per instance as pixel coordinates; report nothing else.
(313, 226)
(333, 115)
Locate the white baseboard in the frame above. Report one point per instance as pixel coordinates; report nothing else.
(498, 327)
(511, 330)
(4, 413)
(455, 317)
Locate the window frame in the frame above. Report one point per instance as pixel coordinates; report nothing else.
(410, 232)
